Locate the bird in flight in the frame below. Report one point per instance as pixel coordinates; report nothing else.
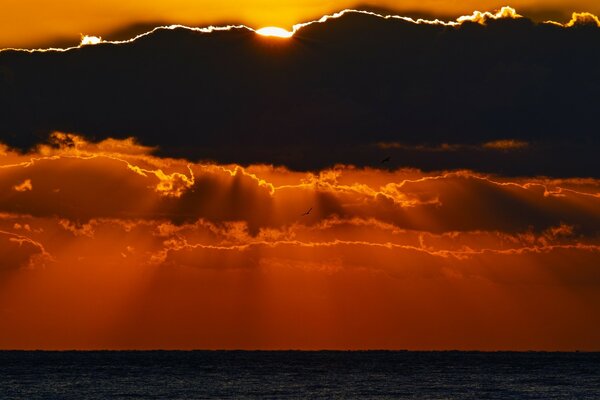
(307, 212)
(385, 160)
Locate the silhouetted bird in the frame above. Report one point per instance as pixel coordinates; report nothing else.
(385, 160)
(308, 212)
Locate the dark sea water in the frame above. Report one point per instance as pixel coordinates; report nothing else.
(293, 375)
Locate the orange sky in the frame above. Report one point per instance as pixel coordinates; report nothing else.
(107, 246)
(27, 23)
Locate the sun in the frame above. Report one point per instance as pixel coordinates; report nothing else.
(275, 32)
(87, 40)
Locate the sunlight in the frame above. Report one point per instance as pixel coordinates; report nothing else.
(275, 32)
(87, 40)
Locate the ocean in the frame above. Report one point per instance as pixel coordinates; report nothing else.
(298, 375)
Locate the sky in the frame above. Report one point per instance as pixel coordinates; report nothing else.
(107, 246)
(32, 23)
(427, 186)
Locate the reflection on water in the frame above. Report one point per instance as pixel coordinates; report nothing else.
(288, 375)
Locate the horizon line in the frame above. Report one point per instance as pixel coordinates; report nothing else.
(241, 350)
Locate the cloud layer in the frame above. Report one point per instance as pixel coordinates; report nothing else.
(106, 245)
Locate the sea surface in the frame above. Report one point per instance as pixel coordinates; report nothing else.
(298, 375)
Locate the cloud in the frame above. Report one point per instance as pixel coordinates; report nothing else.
(24, 186)
(580, 19)
(120, 179)
(216, 255)
(506, 144)
(21, 251)
(483, 17)
(502, 144)
(82, 184)
(326, 96)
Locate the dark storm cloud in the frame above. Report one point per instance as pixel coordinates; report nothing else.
(331, 94)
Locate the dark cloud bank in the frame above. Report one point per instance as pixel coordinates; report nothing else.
(352, 90)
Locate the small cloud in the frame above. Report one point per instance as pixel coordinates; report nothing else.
(505, 144)
(18, 226)
(583, 18)
(77, 229)
(483, 17)
(24, 187)
(579, 19)
(61, 143)
(443, 147)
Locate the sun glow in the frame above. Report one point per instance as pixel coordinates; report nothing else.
(87, 40)
(275, 31)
